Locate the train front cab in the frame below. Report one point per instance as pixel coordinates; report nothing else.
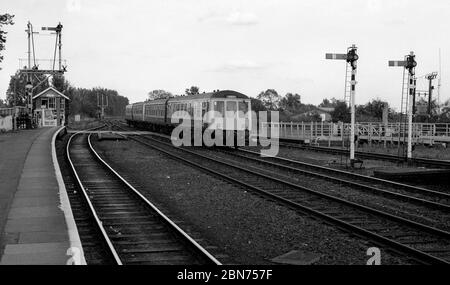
(234, 117)
(129, 114)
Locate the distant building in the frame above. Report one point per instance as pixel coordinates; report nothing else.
(325, 113)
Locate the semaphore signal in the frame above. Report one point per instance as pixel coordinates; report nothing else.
(408, 93)
(351, 57)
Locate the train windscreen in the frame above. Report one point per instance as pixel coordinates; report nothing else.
(243, 107)
(231, 106)
(219, 107)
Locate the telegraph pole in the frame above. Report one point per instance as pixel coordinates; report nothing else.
(59, 34)
(29, 85)
(349, 95)
(409, 65)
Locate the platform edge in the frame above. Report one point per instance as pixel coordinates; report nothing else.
(74, 237)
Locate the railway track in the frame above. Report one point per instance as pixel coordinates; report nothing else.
(371, 155)
(424, 243)
(95, 251)
(418, 195)
(133, 230)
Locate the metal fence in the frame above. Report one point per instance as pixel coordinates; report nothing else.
(422, 132)
(19, 115)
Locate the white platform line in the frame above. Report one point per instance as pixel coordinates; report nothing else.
(74, 237)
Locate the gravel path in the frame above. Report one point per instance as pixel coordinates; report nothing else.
(246, 227)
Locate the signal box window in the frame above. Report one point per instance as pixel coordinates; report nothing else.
(44, 103)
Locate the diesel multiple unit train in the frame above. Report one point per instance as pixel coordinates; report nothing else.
(156, 115)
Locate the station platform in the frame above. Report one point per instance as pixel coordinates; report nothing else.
(36, 222)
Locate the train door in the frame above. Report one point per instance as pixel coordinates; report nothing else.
(244, 115)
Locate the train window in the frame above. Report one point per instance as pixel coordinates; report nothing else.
(189, 109)
(219, 107)
(243, 106)
(204, 108)
(231, 106)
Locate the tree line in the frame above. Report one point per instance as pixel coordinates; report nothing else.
(292, 109)
(86, 101)
(163, 94)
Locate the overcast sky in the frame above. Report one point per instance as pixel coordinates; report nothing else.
(135, 46)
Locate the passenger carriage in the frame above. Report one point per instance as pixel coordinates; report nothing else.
(156, 115)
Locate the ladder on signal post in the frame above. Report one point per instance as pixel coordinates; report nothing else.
(408, 93)
(402, 136)
(348, 83)
(405, 97)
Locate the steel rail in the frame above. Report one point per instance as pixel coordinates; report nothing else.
(352, 183)
(371, 155)
(360, 176)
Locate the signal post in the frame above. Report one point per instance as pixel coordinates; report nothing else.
(409, 65)
(350, 85)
